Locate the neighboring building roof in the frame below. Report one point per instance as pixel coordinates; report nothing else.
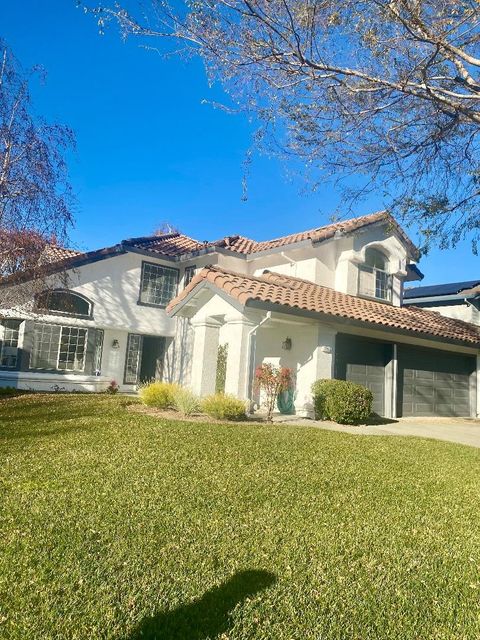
(240, 244)
(451, 288)
(294, 293)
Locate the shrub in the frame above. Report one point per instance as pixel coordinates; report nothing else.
(224, 406)
(113, 387)
(10, 392)
(159, 395)
(273, 380)
(185, 401)
(220, 377)
(341, 401)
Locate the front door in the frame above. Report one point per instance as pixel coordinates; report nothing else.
(151, 364)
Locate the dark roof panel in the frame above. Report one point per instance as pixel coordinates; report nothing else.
(448, 289)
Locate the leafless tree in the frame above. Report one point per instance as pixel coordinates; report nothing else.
(165, 228)
(383, 94)
(35, 193)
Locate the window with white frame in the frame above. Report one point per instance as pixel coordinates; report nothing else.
(374, 281)
(9, 334)
(158, 285)
(58, 347)
(133, 358)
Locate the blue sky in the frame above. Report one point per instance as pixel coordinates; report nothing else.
(149, 150)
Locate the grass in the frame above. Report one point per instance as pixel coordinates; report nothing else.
(120, 525)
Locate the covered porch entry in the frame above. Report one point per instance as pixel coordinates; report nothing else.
(228, 347)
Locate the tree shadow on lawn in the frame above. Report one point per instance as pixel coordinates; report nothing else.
(208, 616)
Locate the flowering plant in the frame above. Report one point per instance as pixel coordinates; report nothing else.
(113, 387)
(272, 380)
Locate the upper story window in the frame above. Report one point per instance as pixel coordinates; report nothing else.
(9, 333)
(374, 280)
(158, 285)
(189, 275)
(64, 302)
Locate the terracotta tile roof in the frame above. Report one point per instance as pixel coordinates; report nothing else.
(171, 244)
(52, 253)
(176, 244)
(240, 244)
(304, 295)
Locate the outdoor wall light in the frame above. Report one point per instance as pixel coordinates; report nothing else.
(287, 344)
(115, 344)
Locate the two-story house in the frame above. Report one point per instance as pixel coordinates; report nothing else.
(325, 302)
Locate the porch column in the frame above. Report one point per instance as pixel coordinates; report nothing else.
(235, 332)
(204, 356)
(476, 409)
(322, 366)
(324, 353)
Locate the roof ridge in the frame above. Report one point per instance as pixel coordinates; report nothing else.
(173, 234)
(325, 226)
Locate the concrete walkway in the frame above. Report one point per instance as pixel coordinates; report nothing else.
(460, 430)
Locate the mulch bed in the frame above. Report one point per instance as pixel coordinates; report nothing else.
(196, 417)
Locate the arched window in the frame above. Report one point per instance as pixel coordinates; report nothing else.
(375, 258)
(64, 302)
(374, 280)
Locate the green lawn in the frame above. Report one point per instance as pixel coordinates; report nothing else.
(118, 525)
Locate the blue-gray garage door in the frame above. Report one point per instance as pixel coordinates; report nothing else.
(434, 383)
(363, 361)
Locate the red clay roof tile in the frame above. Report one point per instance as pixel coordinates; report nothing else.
(308, 296)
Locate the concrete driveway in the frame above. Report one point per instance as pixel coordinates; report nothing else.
(460, 430)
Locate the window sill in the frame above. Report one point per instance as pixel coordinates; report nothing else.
(151, 305)
(375, 299)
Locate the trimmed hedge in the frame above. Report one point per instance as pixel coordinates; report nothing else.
(224, 407)
(160, 395)
(341, 401)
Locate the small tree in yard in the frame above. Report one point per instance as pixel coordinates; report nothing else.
(272, 380)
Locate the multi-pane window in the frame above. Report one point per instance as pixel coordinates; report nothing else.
(56, 347)
(373, 279)
(132, 362)
(158, 285)
(188, 276)
(9, 332)
(97, 354)
(64, 302)
(71, 356)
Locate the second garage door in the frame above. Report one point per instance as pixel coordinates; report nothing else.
(433, 383)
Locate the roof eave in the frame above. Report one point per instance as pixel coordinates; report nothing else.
(272, 306)
(202, 286)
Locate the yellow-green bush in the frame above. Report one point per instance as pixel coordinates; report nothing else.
(224, 407)
(185, 401)
(160, 395)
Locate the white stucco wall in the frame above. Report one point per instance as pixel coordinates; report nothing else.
(464, 311)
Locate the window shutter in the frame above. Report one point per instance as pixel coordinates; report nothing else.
(366, 283)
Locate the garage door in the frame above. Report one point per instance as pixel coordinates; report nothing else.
(363, 362)
(433, 383)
